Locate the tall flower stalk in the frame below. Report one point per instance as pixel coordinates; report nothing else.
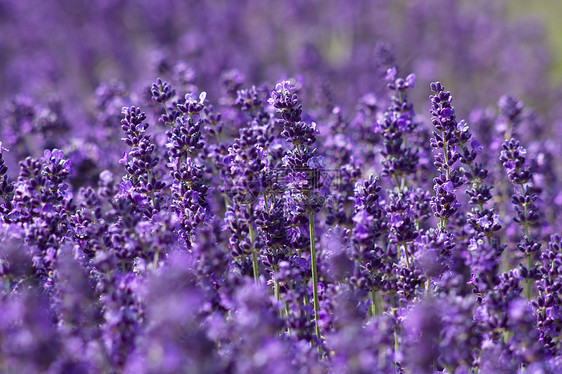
(314, 270)
(527, 214)
(443, 141)
(400, 159)
(303, 168)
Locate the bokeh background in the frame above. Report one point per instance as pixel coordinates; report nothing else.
(547, 14)
(68, 47)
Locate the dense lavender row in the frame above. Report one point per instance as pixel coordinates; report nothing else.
(253, 239)
(317, 224)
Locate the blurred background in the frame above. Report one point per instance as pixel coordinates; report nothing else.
(547, 13)
(338, 49)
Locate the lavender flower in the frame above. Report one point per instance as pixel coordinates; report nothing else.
(445, 203)
(6, 187)
(142, 184)
(513, 159)
(302, 164)
(399, 160)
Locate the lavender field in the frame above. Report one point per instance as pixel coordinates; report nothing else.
(277, 187)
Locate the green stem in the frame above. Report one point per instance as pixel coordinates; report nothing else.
(255, 265)
(527, 231)
(406, 255)
(396, 345)
(276, 288)
(507, 335)
(529, 280)
(167, 112)
(397, 181)
(443, 223)
(288, 311)
(152, 197)
(314, 272)
(375, 308)
(265, 202)
(217, 133)
(254, 254)
(445, 156)
(372, 309)
(395, 341)
(155, 263)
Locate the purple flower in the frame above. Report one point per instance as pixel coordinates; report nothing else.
(411, 80)
(316, 162)
(391, 74)
(476, 145)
